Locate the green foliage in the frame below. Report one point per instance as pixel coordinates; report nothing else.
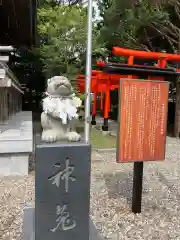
(103, 5)
(126, 26)
(81, 96)
(63, 35)
(54, 3)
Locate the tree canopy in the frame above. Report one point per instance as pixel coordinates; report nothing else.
(62, 33)
(141, 25)
(63, 36)
(54, 3)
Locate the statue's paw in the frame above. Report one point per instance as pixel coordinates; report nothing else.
(74, 137)
(49, 136)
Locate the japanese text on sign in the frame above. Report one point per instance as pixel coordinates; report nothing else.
(143, 117)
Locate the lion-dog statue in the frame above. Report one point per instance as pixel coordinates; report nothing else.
(60, 111)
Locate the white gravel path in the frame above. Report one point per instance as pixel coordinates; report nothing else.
(111, 191)
(14, 194)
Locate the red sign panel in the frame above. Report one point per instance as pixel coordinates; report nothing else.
(142, 120)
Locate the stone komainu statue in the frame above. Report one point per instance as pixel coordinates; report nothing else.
(59, 114)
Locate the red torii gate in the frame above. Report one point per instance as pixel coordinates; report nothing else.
(102, 82)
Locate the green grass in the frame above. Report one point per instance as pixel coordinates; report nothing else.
(98, 140)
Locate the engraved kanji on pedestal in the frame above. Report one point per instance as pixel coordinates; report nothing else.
(62, 191)
(63, 221)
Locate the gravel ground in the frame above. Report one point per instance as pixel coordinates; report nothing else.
(111, 192)
(14, 194)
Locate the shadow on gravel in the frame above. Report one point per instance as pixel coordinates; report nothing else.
(120, 185)
(169, 184)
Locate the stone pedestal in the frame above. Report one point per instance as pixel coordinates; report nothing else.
(16, 145)
(28, 232)
(62, 191)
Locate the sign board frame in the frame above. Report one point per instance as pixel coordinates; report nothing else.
(118, 160)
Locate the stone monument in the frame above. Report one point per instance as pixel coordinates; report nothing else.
(62, 188)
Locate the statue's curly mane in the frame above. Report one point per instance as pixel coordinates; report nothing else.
(63, 108)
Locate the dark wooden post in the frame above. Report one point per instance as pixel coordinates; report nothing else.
(137, 187)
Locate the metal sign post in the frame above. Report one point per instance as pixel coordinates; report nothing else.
(88, 73)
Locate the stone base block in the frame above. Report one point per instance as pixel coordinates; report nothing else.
(14, 164)
(28, 232)
(16, 144)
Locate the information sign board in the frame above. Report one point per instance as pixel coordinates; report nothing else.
(142, 120)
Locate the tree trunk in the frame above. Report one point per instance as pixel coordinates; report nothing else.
(177, 111)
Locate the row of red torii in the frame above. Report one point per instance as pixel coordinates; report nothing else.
(108, 77)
